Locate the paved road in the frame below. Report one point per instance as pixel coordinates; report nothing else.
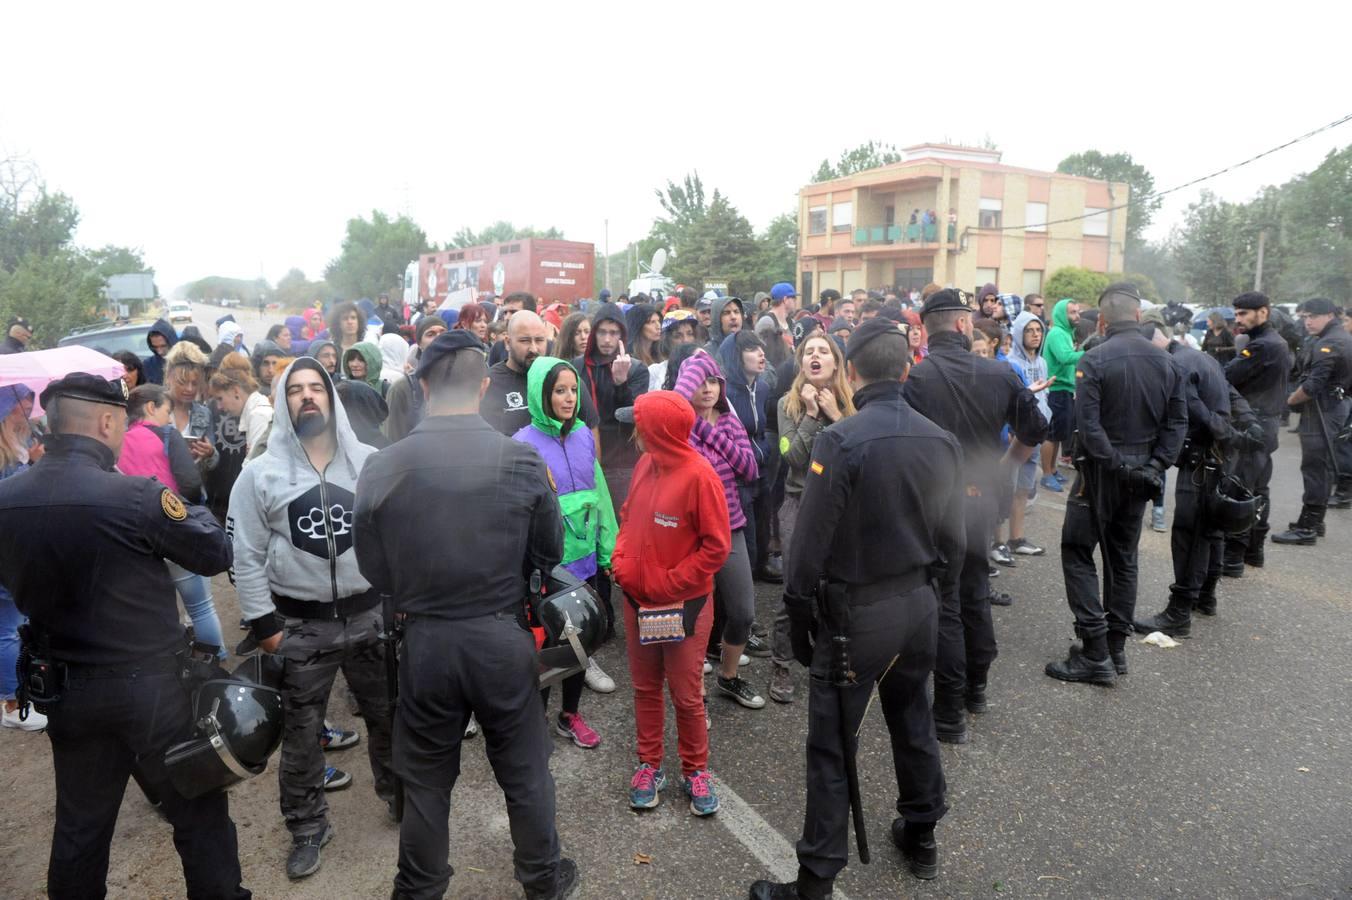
(1222, 768)
(255, 326)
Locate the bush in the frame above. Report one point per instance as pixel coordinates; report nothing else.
(1080, 285)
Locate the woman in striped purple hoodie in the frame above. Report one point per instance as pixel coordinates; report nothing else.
(719, 437)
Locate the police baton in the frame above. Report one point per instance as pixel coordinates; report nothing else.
(391, 633)
(836, 616)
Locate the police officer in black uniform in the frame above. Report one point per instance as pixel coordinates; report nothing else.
(1321, 398)
(974, 398)
(83, 555)
(884, 478)
(1131, 421)
(1195, 542)
(450, 522)
(1259, 372)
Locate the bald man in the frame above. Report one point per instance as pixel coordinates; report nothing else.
(504, 403)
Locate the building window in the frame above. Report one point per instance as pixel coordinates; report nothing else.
(816, 220)
(1032, 281)
(1034, 216)
(986, 276)
(842, 216)
(1095, 222)
(990, 214)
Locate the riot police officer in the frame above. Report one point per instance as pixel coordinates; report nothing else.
(1259, 372)
(1321, 398)
(864, 469)
(974, 398)
(1131, 421)
(84, 556)
(456, 482)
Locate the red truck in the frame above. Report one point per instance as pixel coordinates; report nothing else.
(552, 270)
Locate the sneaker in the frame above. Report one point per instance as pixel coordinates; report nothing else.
(645, 786)
(472, 728)
(699, 787)
(781, 685)
(334, 738)
(1157, 518)
(757, 646)
(1000, 555)
(572, 725)
(304, 859)
(1052, 483)
(708, 667)
(1059, 477)
(739, 690)
(1065, 462)
(992, 572)
(1000, 598)
(1025, 547)
(33, 721)
(597, 679)
(563, 887)
(335, 780)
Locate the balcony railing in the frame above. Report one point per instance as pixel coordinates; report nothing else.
(901, 234)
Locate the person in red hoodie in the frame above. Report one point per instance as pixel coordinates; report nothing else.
(674, 535)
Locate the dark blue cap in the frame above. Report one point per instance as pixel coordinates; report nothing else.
(448, 344)
(83, 386)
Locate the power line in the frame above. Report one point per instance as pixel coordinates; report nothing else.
(1186, 184)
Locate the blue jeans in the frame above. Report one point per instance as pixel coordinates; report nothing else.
(10, 620)
(196, 593)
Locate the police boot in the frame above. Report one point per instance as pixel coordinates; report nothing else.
(807, 887)
(1175, 621)
(1304, 530)
(1232, 563)
(1117, 651)
(950, 719)
(976, 690)
(1206, 597)
(1253, 553)
(1090, 665)
(915, 840)
(1341, 497)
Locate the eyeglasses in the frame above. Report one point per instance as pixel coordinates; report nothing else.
(1035, 305)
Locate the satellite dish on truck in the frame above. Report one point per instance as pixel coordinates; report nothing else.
(659, 260)
(653, 282)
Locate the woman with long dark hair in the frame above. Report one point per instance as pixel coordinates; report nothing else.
(643, 324)
(573, 335)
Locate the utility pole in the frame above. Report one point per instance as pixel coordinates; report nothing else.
(1258, 270)
(607, 281)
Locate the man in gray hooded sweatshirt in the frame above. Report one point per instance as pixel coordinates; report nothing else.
(300, 590)
(1025, 355)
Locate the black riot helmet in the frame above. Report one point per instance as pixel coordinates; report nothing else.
(1231, 507)
(569, 612)
(237, 727)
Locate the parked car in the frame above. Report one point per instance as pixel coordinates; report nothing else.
(108, 337)
(180, 312)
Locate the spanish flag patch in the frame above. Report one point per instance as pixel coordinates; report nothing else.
(817, 468)
(1325, 349)
(1245, 352)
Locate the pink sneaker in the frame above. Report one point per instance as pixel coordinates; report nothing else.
(572, 725)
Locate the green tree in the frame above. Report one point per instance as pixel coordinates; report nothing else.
(216, 287)
(778, 252)
(1316, 232)
(499, 232)
(1081, 285)
(295, 292)
(41, 224)
(374, 255)
(110, 260)
(57, 292)
(1206, 250)
(1156, 262)
(869, 155)
(719, 244)
(1119, 167)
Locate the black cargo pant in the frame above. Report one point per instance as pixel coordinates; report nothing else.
(966, 631)
(892, 625)
(313, 651)
(106, 726)
(1317, 463)
(1117, 517)
(1254, 470)
(448, 670)
(1193, 541)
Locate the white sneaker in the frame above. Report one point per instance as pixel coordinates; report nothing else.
(597, 679)
(743, 660)
(35, 721)
(472, 728)
(708, 667)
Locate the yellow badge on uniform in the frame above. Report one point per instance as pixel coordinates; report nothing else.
(1325, 349)
(172, 506)
(1245, 352)
(817, 468)
(1079, 374)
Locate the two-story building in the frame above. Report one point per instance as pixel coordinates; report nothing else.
(989, 222)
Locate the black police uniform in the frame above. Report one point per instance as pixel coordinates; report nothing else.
(1131, 419)
(449, 521)
(1195, 542)
(974, 398)
(1259, 372)
(84, 555)
(865, 468)
(1326, 376)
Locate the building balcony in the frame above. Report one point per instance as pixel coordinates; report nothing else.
(892, 235)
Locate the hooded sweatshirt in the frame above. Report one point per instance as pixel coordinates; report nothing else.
(575, 474)
(607, 396)
(750, 400)
(299, 342)
(675, 535)
(374, 363)
(725, 443)
(154, 366)
(316, 346)
(226, 334)
(393, 353)
(1058, 349)
(716, 333)
(292, 526)
(1030, 368)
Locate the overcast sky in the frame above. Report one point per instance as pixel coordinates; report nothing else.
(238, 139)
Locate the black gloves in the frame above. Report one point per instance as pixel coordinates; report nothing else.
(802, 630)
(1145, 482)
(1254, 437)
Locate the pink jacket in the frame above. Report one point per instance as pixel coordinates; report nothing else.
(143, 454)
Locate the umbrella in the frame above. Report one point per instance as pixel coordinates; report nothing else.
(39, 368)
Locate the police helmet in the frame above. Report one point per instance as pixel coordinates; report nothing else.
(1231, 507)
(237, 727)
(569, 613)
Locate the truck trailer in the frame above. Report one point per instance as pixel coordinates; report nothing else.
(552, 270)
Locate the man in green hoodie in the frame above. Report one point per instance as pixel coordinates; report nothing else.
(1061, 356)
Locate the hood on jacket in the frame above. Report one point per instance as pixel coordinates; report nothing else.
(165, 330)
(449, 316)
(663, 420)
(284, 443)
(1016, 350)
(319, 344)
(11, 396)
(607, 312)
(696, 370)
(371, 353)
(227, 332)
(368, 309)
(393, 354)
(295, 325)
(716, 334)
(1061, 314)
(537, 379)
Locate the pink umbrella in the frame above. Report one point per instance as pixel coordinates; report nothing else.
(39, 368)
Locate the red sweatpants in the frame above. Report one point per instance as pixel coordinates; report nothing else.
(681, 666)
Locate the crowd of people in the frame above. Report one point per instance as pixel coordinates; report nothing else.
(670, 453)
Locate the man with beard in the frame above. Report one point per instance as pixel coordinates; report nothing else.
(296, 575)
(405, 397)
(503, 405)
(612, 381)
